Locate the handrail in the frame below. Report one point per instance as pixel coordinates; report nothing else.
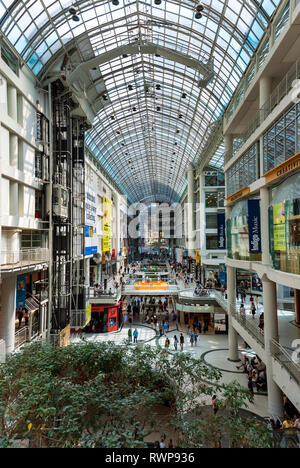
(282, 90)
(23, 256)
(21, 337)
(285, 359)
(256, 332)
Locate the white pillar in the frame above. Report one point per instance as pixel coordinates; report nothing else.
(13, 198)
(190, 210)
(13, 151)
(8, 312)
(275, 398)
(232, 334)
(12, 102)
(264, 206)
(228, 145)
(265, 89)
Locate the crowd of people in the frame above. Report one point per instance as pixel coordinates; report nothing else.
(256, 371)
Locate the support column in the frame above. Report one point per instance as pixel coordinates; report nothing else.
(264, 218)
(8, 312)
(232, 334)
(275, 397)
(13, 198)
(297, 305)
(12, 102)
(265, 90)
(190, 210)
(13, 151)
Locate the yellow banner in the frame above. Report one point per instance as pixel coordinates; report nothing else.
(279, 227)
(198, 257)
(88, 314)
(106, 224)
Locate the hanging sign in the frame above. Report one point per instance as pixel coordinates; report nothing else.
(254, 226)
(221, 231)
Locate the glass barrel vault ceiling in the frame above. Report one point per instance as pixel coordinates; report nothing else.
(155, 119)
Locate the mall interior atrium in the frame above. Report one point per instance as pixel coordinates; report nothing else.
(150, 173)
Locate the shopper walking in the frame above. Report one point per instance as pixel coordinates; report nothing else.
(181, 341)
(175, 342)
(130, 335)
(135, 336)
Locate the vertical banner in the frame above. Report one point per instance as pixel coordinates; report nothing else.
(21, 292)
(221, 231)
(279, 226)
(90, 232)
(222, 273)
(254, 226)
(198, 257)
(106, 224)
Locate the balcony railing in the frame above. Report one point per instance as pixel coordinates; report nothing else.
(21, 337)
(282, 90)
(285, 359)
(11, 259)
(252, 328)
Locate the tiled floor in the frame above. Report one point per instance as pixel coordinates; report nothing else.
(144, 334)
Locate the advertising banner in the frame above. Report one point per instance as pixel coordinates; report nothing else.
(198, 257)
(106, 224)
(279, 226)
(21, 292)
(221, 231)
(90, 232)
(222, 273)
(254, 226)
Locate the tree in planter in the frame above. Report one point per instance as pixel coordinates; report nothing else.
(105, 395)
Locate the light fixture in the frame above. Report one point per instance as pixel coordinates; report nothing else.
(200, 8)
(72, 11)
(75, 18)
(158, 87)
(157, 2)
(115, 2)
(184, 96)
(130, 87)
(158, 108)
(198, 15)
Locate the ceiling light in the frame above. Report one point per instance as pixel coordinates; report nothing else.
(115, 2)
(157, 2)
(158, 86)
(75, 18)
(158, 108)
(200, 8)
(198, 15)
(184, 96)
(130, 87)
(72, 11)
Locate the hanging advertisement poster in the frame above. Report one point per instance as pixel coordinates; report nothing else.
(21, 292)
(279, 225)
(222, 273)
(106, 224)
(90, 232)
(198, 258)
(254, 226)
(221, 231)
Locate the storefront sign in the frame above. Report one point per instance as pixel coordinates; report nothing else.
(288, 166)
(222, 273)
(21, 292)
(238, 195)
(254, 226)
(221, 231)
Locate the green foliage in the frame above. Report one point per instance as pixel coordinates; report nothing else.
(105, 395)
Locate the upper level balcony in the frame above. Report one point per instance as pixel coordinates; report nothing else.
(23, 259)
